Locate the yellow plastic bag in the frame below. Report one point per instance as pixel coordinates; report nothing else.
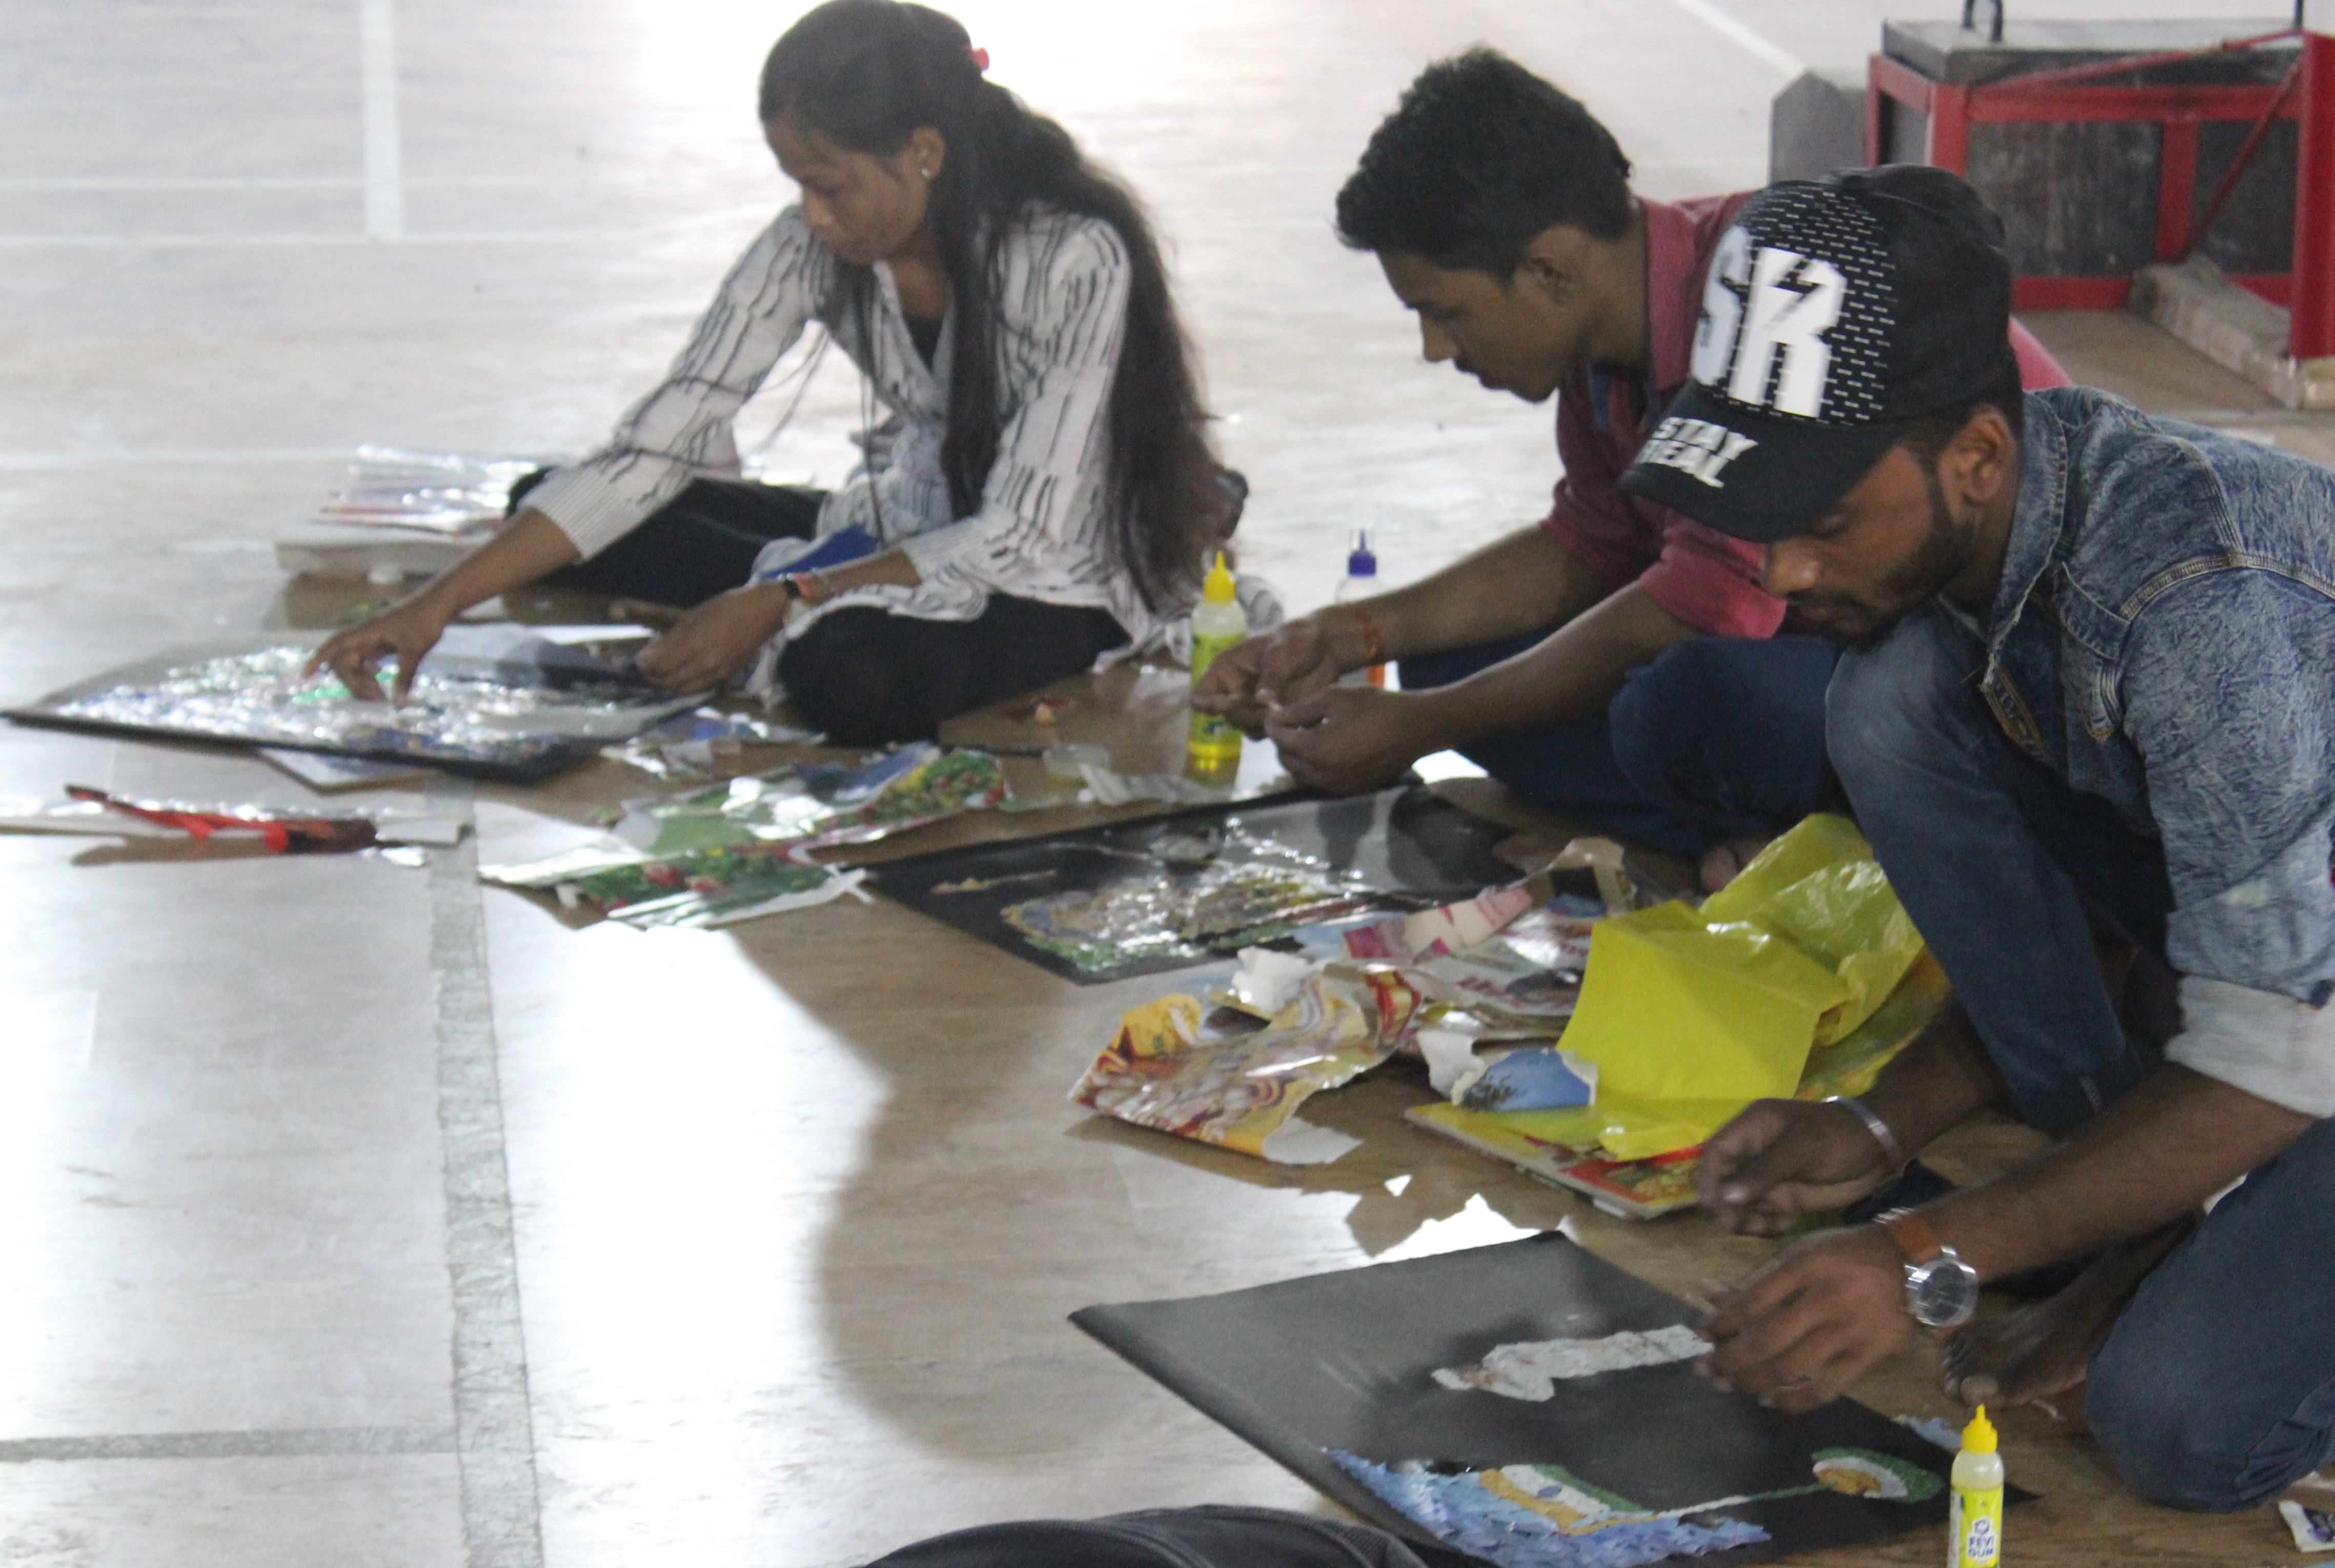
(1626, 1130)
(1819, 889)
(1690, 1016)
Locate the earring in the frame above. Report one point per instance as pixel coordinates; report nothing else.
(925, 172)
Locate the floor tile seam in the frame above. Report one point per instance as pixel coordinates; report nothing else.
(256, 1443)
(494, 1432)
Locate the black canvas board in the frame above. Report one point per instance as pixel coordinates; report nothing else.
(468, 653)
(1346, 1360)
(1406, 842)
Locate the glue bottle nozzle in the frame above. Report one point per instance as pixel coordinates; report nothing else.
(1219, 588)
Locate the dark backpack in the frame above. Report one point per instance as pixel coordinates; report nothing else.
(1210, 1537)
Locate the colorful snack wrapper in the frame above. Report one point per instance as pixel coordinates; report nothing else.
(737, 849)
(1238, 1091)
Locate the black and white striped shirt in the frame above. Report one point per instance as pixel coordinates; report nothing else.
(1061, 317)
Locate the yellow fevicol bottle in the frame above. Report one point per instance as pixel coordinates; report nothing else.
(1976, 1518)
(1217, 623)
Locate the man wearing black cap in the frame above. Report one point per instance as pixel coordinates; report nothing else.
(2088, 722)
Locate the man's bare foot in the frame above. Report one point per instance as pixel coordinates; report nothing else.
(1723, 863)
(2046, 1349)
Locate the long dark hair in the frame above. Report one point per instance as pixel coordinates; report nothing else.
(866, 75)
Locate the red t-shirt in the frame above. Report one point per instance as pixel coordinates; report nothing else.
(1702, 576)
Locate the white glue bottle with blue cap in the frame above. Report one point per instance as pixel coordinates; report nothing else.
(1360, 581)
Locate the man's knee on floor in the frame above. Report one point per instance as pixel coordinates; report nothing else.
(2159, 1415)
(853, 686)
(1668, 716)
(1893, 710)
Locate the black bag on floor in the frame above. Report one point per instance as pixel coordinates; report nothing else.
(1211, 1537)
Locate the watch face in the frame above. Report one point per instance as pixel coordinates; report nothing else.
(1942, 1294)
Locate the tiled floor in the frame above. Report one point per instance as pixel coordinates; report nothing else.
(349, 1215)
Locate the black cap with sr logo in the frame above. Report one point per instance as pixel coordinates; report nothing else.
(1836, 312)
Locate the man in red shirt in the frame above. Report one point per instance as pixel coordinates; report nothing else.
(1616, 661)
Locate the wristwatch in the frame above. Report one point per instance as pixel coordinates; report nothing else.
(1940, 1289)
(799, 586)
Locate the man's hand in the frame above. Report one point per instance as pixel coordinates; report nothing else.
(406, 632)
(716, 640)
(1345, 739)
(1813, 1320)
(1296, 660)
(1782, 1157)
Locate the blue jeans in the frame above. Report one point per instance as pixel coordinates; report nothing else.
(2216, 1389)
(1718, 738)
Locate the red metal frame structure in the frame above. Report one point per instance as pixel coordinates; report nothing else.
(2067, 95)
(2310, 334)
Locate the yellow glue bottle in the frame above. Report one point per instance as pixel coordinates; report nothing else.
(1219, 622)
(1977, 1515)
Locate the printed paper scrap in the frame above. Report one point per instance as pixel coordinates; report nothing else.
(2314, 1529)
(1539, 1516)
(1545, 1516)
(1529, 967)
(1519, 1078)
(730, 853)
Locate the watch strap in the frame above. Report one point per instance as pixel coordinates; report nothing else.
(1915, 1238)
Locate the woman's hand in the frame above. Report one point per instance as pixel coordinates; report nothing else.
(719, 638)
(405, 632)
(530, 544)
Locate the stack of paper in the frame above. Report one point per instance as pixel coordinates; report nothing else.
(403, 513)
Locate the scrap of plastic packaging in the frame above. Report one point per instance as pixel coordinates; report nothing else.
(1687, 1016)
(737, 849)
(280, 830)
(266, 698)
(695, 745)
(455, 493)
(1219, 891)
(1496, 976)
(1164, 1070)
(815, 803)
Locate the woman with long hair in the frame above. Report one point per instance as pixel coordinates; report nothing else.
(1042, 490)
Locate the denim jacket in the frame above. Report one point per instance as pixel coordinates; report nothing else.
(2164, 638)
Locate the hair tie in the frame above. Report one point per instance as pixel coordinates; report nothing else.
(980, 58)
